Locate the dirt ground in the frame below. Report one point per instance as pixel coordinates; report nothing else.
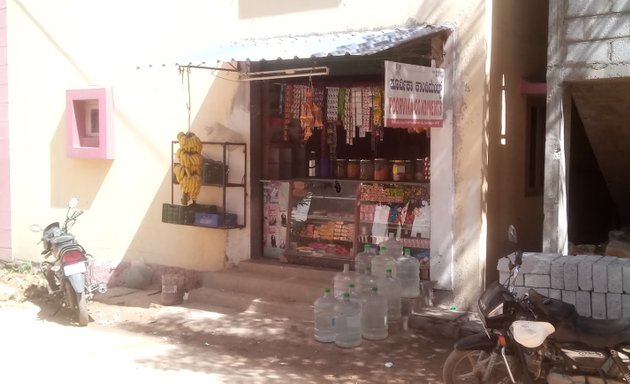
(132, 337)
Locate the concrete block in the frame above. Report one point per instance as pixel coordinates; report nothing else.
(598, 305)
(587, 8)
(605, 27)
(517, 282)
(613, 305)
(537, 281)
(569, 297)
(620, 51)
(625, 306)
(585, 273)
(571, 272)
(542, 291)
(575, 29)
(520, 291)
(538, 263)
(503, 264)
(615, 275)
(583, 303)
(555, 294)
(620, 6)
(625, 273)
(600, 274)
(588, 52)
(557, 272)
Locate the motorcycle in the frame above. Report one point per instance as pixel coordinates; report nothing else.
(66, 273)
(536, 339)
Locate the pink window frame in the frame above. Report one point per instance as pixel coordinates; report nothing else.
(78, 143)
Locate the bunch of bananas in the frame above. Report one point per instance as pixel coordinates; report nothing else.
(188, 171)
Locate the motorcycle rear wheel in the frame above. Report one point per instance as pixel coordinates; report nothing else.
(81, 309)
(471, 366)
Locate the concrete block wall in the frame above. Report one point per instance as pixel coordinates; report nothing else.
(597, 31)
(598, 286)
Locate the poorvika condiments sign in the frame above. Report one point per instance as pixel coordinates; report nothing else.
(413, 96)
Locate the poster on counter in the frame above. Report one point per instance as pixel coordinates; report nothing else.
(413, 96)
(275, 203)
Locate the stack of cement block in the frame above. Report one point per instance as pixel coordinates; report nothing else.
(598, 286)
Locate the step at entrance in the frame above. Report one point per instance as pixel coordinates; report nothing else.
(264, 287)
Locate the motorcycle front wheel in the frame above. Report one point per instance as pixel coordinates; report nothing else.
(474, 366)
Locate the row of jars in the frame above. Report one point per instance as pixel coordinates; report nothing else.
(381, 169)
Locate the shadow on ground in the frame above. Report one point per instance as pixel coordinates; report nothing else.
(270, 349)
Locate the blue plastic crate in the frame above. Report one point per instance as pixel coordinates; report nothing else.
(214, 220)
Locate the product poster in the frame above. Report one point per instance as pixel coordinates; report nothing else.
(276, 200)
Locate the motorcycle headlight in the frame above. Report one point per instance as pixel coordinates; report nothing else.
(497, 311)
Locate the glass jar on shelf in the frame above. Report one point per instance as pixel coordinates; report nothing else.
(340, 168)
(367, 170)
(381, 170)
(398, 170)
(354, 169)
(409, 170)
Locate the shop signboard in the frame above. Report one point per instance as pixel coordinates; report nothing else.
(413, 96)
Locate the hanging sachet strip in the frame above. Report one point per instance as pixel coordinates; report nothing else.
(332, 104)
(348, 121)
(366, 102)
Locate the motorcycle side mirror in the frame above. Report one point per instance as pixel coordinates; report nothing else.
(73, 202)
(512, 236)
(36, 228)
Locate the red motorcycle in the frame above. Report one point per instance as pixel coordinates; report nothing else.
(66, 273)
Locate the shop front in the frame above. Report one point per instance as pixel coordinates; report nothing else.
(346, 157)
(344, 132)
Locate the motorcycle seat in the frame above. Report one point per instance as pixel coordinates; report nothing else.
(596, 333)
(552, 309)
(62, 239)
(601, 333)
(573, 328)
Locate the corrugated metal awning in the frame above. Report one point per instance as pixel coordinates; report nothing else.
(356, 43)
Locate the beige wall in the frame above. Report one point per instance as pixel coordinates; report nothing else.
(519, 53)
(72, 44)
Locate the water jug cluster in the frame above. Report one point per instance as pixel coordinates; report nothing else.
(365, 300)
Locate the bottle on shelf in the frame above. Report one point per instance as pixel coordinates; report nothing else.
(408, 272)
(382, 261)
(343, 279)
(390, 288)
(363, 259)
(348, 330)
(374, 317)
(324, 316)
(312, 164)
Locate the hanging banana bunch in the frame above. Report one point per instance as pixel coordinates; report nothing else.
(188, 171)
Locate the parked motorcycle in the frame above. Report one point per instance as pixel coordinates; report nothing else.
(536, 339)
(66, 273)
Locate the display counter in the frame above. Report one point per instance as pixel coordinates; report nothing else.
(331, 220)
